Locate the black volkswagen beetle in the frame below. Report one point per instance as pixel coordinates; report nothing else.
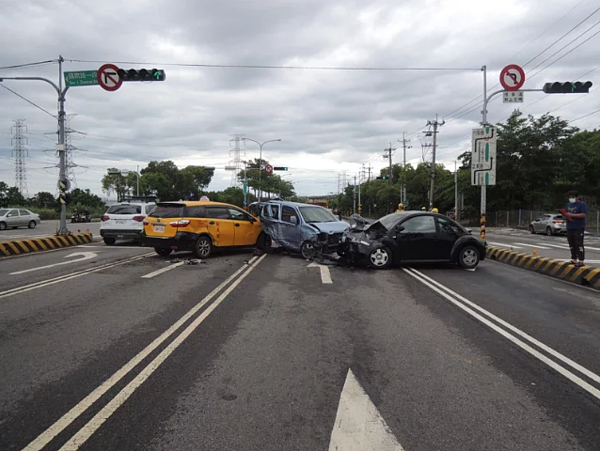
(410, 237)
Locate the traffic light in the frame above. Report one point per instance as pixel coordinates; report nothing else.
(280, 168)
(567, 87)
(382, 177)
(142, 75)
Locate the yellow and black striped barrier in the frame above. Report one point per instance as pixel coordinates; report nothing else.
(8, 248)
(559, 269)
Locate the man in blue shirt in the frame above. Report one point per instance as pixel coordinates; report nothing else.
(575, 212)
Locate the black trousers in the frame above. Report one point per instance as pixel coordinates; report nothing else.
(575, 238)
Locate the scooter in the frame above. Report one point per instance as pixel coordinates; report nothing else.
(81, 217)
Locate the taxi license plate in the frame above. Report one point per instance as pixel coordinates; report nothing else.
(159, 228)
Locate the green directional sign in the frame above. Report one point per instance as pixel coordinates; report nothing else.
(245, 187)
(81, 78)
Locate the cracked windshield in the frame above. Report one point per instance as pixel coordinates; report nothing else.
(340, 225)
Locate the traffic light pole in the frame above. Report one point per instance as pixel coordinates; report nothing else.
(61, 134)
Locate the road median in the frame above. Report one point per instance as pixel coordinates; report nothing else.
(586, 275)
(28, 246)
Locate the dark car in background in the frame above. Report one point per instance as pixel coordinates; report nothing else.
(410, 237)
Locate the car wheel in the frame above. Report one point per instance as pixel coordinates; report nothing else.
(468, 257)
(531, 230)
(203, 247)
(380, 258)
(32, 224)
(2, 225)
(263, 242)
(109, 241)
(307, 250)
(162, 251)
(549, 231)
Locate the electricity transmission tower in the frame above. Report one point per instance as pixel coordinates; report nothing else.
(69, 148)
(237, 155)
(19, 141)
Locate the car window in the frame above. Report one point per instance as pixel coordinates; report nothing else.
(24, 212)
(238, 215)
(558, 217)
(167, 211)
(390, 221)
(13, 213)
(447, 226)
(124, 209)
(316, 214)
(419, 224)
(195, 212)
(217, 212)
(149, 208)
(272, 211)
(287, 213)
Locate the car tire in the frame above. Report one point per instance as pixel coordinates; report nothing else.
(549, 231)
(381, 258)
(263, 242)
(162, 251)
(32, 224)
(307, 250)
(203, 247)
(468, 257)
(109, 241)
(2, 225)
(531, 230)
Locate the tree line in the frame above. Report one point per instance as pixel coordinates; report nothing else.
(539, 160)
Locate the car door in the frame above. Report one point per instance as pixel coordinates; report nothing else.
(539, 225)
(220, 226)
(416, 238)
(25, 217)
(448, 233)
(290, 227)
(246, 230)
(13, 219)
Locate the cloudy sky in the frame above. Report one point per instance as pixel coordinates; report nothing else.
(329, 120)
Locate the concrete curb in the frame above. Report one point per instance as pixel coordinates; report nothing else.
(587, 276)
(8, 248)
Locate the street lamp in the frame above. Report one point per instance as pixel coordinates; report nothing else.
(124, 173)
(260, 162)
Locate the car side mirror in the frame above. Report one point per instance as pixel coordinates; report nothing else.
(400, 228)
(294, 220)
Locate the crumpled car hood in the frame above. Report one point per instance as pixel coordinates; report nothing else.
(331, 227)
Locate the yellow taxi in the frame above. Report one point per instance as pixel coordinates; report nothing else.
(199, 226)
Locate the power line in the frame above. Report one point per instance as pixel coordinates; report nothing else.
(29, 101)
(585, 115)
(256, 66)
(19, 66)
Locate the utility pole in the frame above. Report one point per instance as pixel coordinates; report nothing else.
(455, 191)
(354, 192)
(435, 124)
(404, 147)
(388, 154)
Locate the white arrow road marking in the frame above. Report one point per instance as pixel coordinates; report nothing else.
(84, 256)
(325, 274)
(532, 245)
(504, 245)
(358, 424)
(163, 270)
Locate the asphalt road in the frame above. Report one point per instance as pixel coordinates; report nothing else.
(268, 353)
(542, 245)
(47, 228)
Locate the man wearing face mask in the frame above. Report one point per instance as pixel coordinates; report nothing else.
(575, 212)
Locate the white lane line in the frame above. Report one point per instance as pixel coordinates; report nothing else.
(162, 271)
(83, 255)
(358, 424)
(92, 426)
(504, 245)
(456, 299)
(554, 245)
(48, 282)
(532, 245)
(48, 435)
(325, 274)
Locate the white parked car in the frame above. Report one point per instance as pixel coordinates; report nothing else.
(124, 221)
(11, 218)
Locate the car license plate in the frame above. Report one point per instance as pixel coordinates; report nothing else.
(159, 228)
(120, 221)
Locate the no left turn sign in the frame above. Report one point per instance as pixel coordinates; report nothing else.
(269, 169)
(512, 77)
(108, 77)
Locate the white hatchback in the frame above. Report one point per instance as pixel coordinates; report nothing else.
(124, 221)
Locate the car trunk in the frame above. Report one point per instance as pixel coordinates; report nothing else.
(123, 217)
(159, 222)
